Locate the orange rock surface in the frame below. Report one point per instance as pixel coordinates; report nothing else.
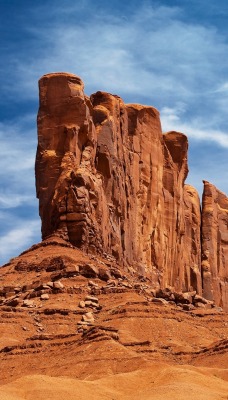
(70, 330)
(109, 182)
(215, 245)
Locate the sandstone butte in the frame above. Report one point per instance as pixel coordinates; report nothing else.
(109, 181)
(126, 297)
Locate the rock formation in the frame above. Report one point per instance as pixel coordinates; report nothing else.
(110, 182)
(215, 245)
(65, 313)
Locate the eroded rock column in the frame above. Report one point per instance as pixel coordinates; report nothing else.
(65, 157)
(215, 245)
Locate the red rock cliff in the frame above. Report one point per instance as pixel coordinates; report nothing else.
(109, 181)
(215, 245)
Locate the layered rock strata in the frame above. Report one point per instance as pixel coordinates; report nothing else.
(215, 245)
(109, 181)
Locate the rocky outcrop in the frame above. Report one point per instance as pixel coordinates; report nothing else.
(110, 182)
(215, 245)
(191, 249)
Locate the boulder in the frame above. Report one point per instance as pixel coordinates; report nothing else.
(88, 317)
(28, 303)
(12, 302)
(159, 301)
(104, 274)
(184, 298)
(81, 304)
(58, 285)
(88, 270)
(44, 296)
(92, 299)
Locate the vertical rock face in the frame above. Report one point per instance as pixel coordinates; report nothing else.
(191, 249)
(215, 245)
(109, 181)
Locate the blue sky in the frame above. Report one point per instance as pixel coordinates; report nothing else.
(169, 54)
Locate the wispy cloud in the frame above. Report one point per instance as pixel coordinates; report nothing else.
(207, 151)
(19, 220)
(18, 238)
(152, 53)
(155, 56)
(173, 120)
(13, 200)
(17, 157)
(223, 88)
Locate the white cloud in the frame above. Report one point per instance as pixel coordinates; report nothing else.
(207, 150)
(223, 88)
(18, 238)
(17, 158)
(151, 53)
(13, 200)
(173, 120)
(154, 57)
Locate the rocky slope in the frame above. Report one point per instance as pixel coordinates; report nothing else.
(78, 326)
(110, 182)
